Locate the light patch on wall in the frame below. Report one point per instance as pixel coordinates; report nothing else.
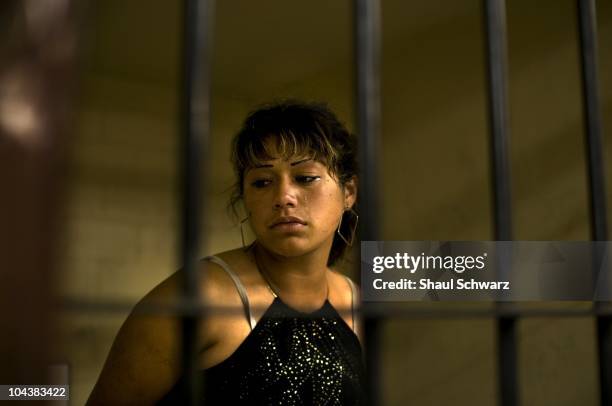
(42, 16)
(19, 117)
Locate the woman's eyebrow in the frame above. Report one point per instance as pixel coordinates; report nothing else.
(292, 164)
(299, 162)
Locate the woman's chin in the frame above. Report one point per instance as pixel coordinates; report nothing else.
(290, 247)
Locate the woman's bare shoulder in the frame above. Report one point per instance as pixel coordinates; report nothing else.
(142, 363)
(241, 264)
(214, 279)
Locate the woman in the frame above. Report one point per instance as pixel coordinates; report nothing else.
(296, 177)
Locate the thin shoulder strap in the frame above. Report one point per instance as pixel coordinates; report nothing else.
(353, 294)
(239, 287)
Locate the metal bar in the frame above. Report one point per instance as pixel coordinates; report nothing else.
(195, 124)
(367, 55)
(604, 349)
(495, 22)
(498, 114)
(588, 50)
(587, 24)
(368, 110)
(86, 306)
(508, 382)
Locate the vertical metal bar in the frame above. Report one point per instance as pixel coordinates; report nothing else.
(498, 110)
(604, 349)
(587, 24)
(495, 22)
(367, 55)
(588, 47)
(507, 364)
(195, 128)
(368, 109)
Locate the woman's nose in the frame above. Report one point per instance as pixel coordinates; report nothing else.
(286, 194)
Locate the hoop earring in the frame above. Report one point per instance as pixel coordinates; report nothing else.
(348, 242)
(242, 231)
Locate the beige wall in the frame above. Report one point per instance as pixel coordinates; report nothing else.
(121, 218)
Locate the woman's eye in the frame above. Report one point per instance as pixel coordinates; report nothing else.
(307, 179)
(259, 183)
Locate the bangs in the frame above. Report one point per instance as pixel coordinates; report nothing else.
(286, 144)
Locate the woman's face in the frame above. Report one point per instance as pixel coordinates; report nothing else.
(295, 205)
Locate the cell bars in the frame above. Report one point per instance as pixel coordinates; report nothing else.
(195, 131)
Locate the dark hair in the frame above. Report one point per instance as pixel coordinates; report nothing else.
(300, 129)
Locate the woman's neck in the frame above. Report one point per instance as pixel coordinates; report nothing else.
(302, 280)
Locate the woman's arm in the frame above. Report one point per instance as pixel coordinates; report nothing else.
(144, 360)
(143, 363)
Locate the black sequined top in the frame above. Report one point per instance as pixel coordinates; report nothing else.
(289, 358)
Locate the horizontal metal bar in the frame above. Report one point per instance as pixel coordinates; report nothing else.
(373, 310)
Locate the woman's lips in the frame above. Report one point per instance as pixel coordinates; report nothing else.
(287, 220)
(289, 226)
